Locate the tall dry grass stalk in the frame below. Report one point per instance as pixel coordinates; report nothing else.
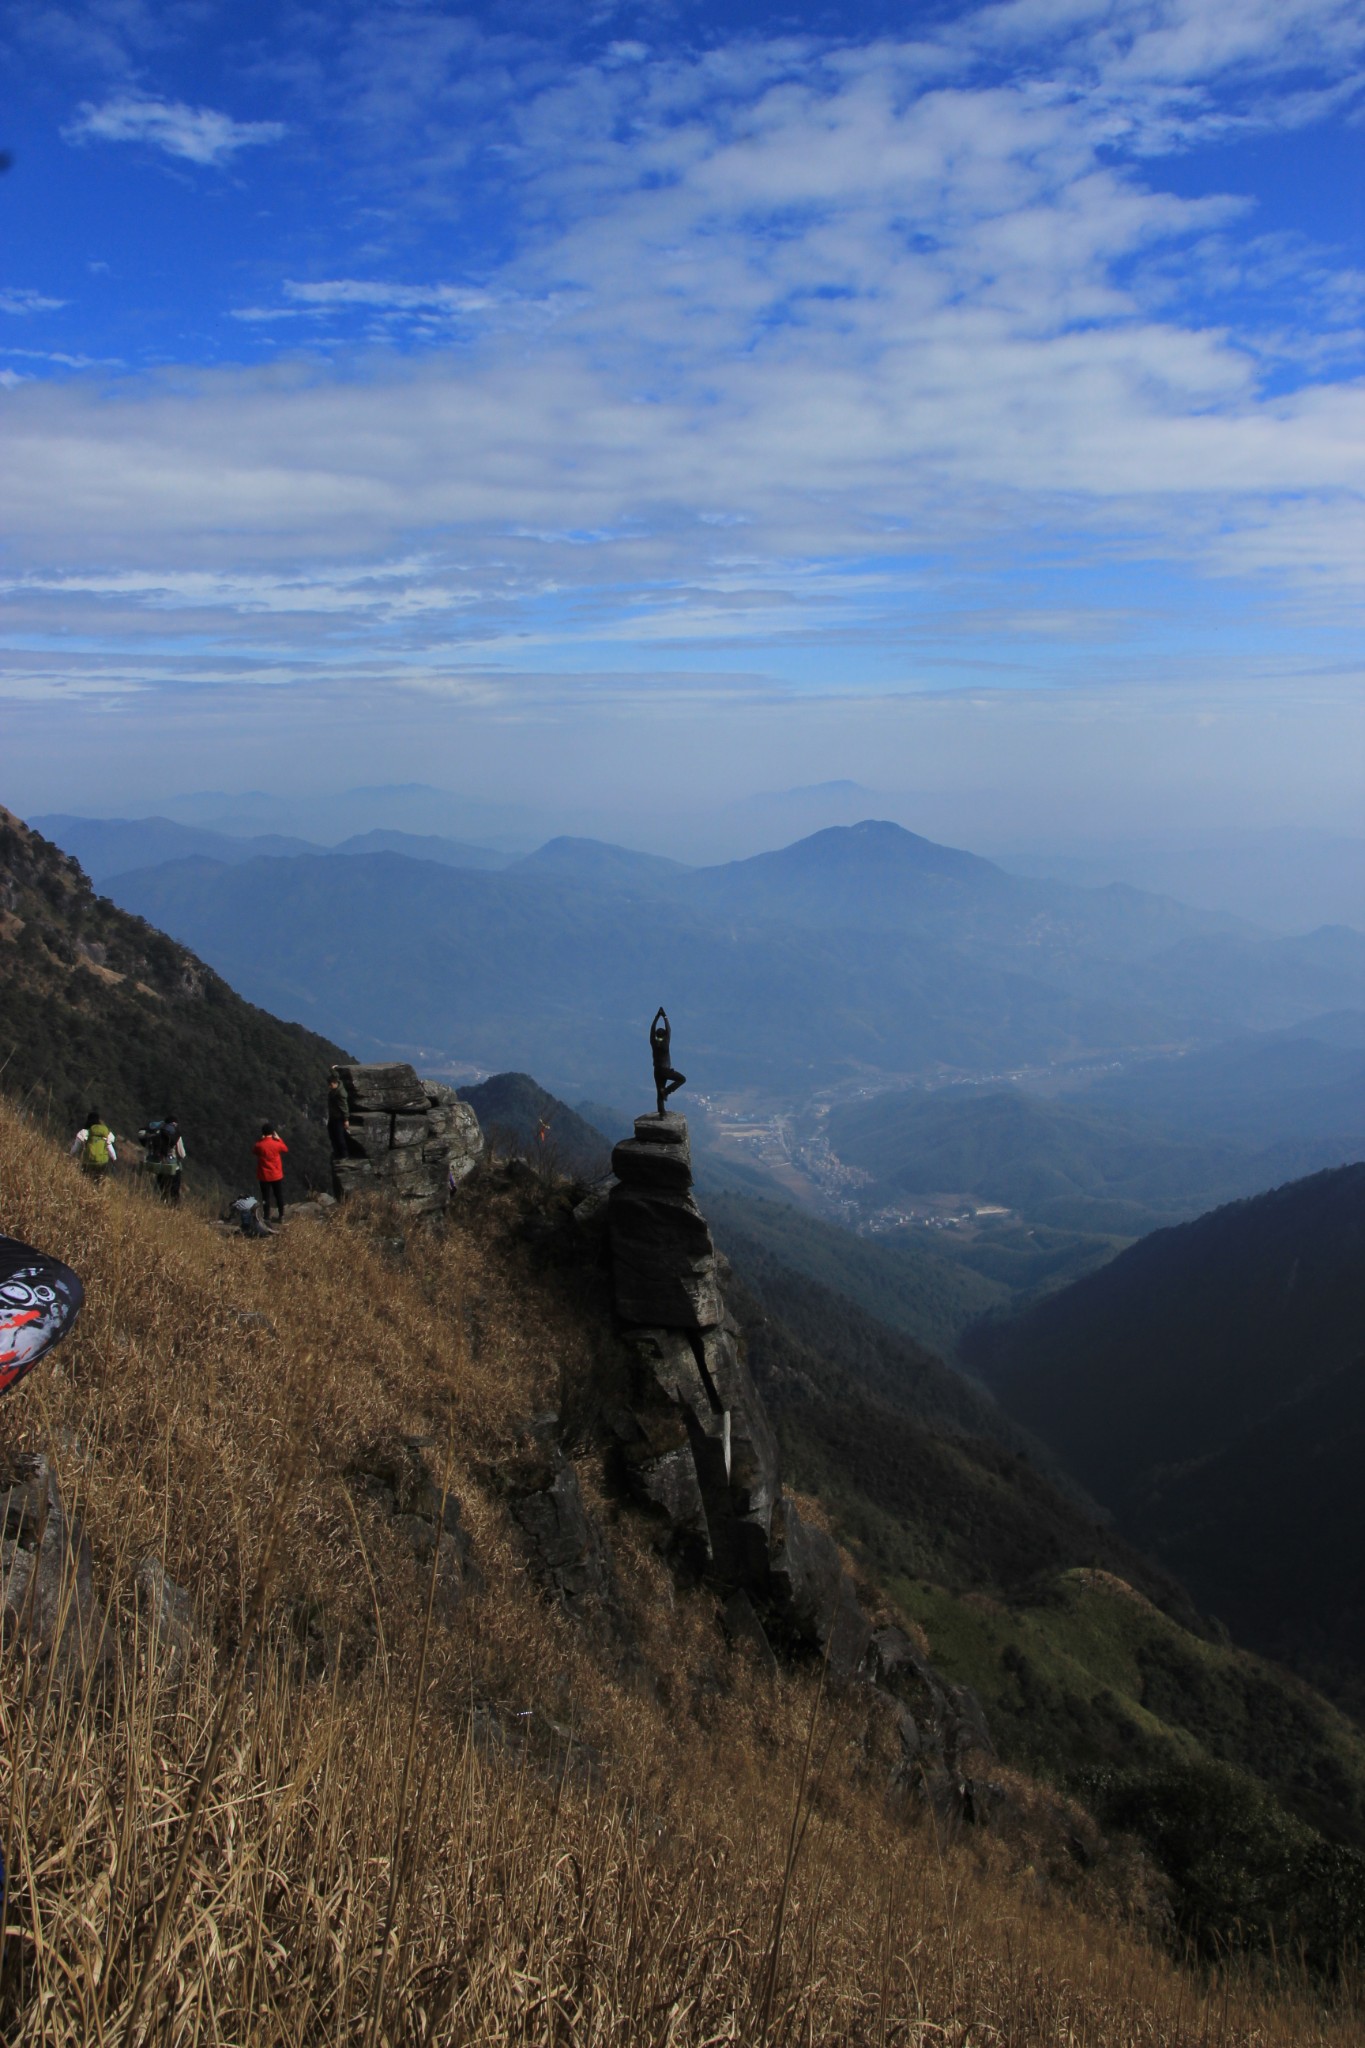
(344, 1818)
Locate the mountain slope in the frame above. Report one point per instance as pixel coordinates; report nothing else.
(905, 1284)
(1305, 1083)
(1065, 1163)
(517, 1115)
(96, 1006)
(1209, 1387)
(605, 1781)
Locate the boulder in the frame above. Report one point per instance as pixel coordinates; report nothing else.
(46, 1569)
(663, 1260)
(668, 1129)
(386, 1088)
(811, 1594)
(414, 1138)
(568, 1551)
(666, 1169)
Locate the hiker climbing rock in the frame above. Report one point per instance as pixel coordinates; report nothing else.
(165, 1156)
(270, 1149)
(94, 1144)
(667, 1079)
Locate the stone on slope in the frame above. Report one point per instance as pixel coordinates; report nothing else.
(414, 1138)
(663, 1260)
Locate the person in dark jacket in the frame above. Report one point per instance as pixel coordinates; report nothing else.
(270, 1149)
(338, 1117)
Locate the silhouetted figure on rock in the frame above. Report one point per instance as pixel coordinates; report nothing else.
(667, 1079)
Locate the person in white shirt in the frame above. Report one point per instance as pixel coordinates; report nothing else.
(95, 1146)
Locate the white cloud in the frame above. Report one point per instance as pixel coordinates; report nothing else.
(343, 294)
(15, 299)
(199, 135)
(920, 306)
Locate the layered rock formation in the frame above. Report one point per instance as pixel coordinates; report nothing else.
(414, 1139)
(696, 1440)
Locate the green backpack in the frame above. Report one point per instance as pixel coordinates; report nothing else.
(96, 1149)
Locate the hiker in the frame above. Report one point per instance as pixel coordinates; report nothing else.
(339, 1118)
(165, 1155)
(245, 1212)
(270, 1149)
(667, 1079)
(95, 1145)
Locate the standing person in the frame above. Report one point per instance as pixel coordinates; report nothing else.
(166, 1156)
(338, 1116)
(270, 1149)
(95, 1144)
(667, 1079)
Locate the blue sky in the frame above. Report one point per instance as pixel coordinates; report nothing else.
(642, 400)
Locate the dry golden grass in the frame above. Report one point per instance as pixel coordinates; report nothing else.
(495, 1829)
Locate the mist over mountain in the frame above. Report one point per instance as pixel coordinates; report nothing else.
(1286, 878)
(862, 948)
(106, 847)
(1077, 1165)
(561, 976)
(111, 846)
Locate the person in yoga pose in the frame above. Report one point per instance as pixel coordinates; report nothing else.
(667, 1079)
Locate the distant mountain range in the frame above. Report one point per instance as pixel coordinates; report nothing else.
(1209, 1387)
(106, 847)
(861, 949)
(1123, 1158)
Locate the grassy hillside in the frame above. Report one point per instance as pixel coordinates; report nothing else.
(1209, 1386)
(368, 1777)
(97, 1007)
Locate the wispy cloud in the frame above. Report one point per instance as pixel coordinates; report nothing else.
(17, 300)
(198, 135)
(345, 294)
(876, 349)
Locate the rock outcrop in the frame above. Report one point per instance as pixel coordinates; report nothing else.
(47, 1596)
(414, 1139)
(696, 1441)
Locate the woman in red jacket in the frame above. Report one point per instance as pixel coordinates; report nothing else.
(270, 1149)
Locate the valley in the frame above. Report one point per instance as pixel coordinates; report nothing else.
(933, 1292)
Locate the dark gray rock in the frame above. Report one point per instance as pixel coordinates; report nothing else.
(754, 1469)
(167, 1618)
(386, 1088)
(663, 1260)
(811, 1595)
(413, 1138)
(664, 1168)
(740, 1621)
(591, 1212)
(567, 1550)
(668, 1129)
(396, 1476)
(48, 1602)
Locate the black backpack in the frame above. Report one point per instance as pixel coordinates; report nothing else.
(160, 1138)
